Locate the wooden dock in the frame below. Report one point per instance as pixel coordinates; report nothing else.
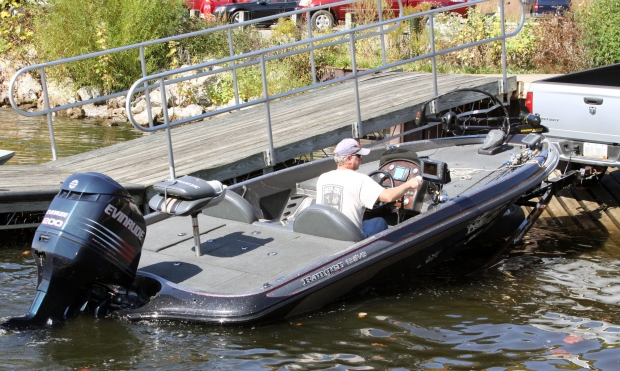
(231, 145)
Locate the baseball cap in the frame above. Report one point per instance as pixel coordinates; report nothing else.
(350, 146)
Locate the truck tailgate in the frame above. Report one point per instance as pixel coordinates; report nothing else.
(583, 112)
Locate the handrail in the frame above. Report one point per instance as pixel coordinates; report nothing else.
(260, 56)
(48, 111)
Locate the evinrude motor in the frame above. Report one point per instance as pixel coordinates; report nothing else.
(91, 236)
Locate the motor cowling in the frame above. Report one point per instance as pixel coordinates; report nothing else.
(92, 233)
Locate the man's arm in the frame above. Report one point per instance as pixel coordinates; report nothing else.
(396, 193)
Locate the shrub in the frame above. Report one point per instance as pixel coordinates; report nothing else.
(559, 46)
(65, 30)
(601, 20)
(16, 28)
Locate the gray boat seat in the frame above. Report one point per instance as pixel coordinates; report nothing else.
(233, 207)
(186, 195)
(326, 221)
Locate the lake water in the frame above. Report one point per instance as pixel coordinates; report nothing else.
(553, 305)
(29, 137)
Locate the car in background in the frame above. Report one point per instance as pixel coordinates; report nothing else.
(554, 8)
(255, 9)
(207, 7)
(324, 19)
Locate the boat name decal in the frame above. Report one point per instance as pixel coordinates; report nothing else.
(333, 269)
(355, 258)
(122, 218)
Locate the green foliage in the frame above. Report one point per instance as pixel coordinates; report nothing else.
(16, 29)
(66, 30)
(601, 22)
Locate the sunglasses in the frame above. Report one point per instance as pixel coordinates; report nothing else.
(358, 156)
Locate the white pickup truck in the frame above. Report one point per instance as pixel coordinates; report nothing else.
(582, 112)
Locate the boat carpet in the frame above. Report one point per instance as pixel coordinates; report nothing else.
(236, 257)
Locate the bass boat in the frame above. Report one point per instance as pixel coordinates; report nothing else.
(263, 249)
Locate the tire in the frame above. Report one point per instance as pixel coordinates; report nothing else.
(235, 17)
(322, 20)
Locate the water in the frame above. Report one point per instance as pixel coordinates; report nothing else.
(553, 305)
(29, 137)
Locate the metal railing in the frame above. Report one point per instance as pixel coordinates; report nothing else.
(259, 58)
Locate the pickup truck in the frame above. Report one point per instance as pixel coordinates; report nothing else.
(581, 112)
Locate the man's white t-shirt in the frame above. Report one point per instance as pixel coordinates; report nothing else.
(349, 192)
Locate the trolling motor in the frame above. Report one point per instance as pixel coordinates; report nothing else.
(91, 236)
(463, 123)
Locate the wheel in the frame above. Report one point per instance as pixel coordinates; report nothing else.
(235, 17)
(380, 205)
(322, 20)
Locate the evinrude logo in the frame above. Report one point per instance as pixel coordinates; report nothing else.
(73, 183)
(122, 218)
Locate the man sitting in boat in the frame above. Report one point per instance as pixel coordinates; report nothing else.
(351, 192)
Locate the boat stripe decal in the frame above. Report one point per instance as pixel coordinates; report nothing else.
(129, 247)
(109, 241)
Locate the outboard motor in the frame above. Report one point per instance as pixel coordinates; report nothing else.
(91, 234)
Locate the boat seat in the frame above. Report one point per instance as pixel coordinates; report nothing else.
(326, 221)
(233, 207)
(186, 195)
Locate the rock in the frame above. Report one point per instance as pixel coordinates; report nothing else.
(142, 119)
(172, 95)
(76, 113)
(118, 112)
(179, 113)
(28, 89)
(114, 121)
(96, 111)
(118, 102)
(60, 93)
(90, 92)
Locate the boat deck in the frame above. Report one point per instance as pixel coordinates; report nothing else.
(240, 258)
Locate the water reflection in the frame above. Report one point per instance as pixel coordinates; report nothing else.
(29, 137)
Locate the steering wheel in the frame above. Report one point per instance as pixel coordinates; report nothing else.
(380, 205)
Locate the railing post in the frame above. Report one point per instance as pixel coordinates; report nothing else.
(312, 64)
(503, 26)
(164, 107)
(270, 158)
(434, 57)
(357, 129)
(50, 124)
(147, 95)
(381, 36)
(231, 50)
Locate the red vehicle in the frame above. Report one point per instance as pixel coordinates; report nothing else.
(326, 18)
(207, 7)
